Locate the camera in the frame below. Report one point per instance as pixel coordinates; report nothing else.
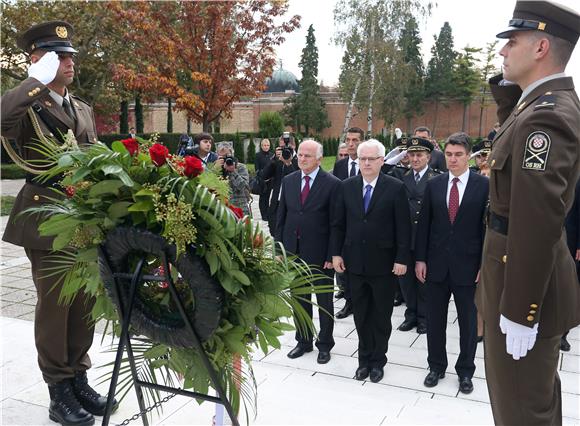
(287, 151)
(229, 160)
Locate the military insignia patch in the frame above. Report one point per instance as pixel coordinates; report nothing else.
(61, 32)
(537, 150)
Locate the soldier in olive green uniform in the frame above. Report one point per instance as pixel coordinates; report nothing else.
(529, 294)
(41, 106)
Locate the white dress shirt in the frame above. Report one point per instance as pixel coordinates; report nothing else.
(373, 184)
(356, 166)
(421, 173)
(460, 185)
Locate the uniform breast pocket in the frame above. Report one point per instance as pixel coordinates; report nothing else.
(498, 159)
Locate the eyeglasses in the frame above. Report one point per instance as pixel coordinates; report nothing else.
(369, 159)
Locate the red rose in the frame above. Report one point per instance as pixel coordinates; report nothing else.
(159, 154)
(193, 166)
(237, 211)
(132, 145)
(69, 191)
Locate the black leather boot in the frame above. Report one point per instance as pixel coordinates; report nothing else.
(89, 398)
(65, 408)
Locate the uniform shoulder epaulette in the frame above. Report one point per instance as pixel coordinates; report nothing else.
(76, 98)
(546, 101)
(437, 171)
(407, 172)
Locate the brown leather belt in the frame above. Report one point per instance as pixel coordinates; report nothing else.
(498, 223)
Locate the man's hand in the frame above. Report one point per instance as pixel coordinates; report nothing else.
(421, 271)
(519, 339)
(219, 163)
(327, 265)
(45, 69)
(577, 254)
(478, 276)
(399, 269)
(338, 264)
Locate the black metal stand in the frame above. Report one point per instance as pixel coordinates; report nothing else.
(125, 342)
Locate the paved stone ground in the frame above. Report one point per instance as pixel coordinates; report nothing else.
(290, 391)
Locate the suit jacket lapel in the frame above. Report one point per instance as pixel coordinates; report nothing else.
(314, 186)
(467, 194)
(441, 194)
(57, 111)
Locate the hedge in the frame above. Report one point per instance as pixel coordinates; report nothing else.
(11, 171)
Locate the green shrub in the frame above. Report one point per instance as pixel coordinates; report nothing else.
(6, 204)
(11, 171)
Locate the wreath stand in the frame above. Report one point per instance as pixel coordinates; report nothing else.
(136, 278)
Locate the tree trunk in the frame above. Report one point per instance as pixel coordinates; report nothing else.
(139, 125)
(371, 89)
(349, 109)
(435, 118)
(188, 125)
(409, 125)
(465, 115)
(169, 116)
(124, 118)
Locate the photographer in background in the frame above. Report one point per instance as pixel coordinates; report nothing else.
(263, 158)
(237, 175)
(185, 146)
(283, 163)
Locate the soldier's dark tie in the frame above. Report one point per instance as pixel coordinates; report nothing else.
(453, 200)
(305, 190)
(68, 109)
(417, 177)
(352, 169)
(367, 197)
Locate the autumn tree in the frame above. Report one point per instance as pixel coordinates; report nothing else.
(204, 55)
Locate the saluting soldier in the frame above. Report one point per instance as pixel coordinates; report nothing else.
(42, 106)
(480, 151)
(529, 294)
(415, 180)
(397, 161)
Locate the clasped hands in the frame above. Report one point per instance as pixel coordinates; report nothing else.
(338, 264)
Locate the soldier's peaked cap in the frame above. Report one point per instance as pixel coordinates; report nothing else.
(52, 36)
(547, 16)
(419, 144)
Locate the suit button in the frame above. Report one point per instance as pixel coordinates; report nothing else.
(419, 201)
(417, 212)
(301, 212)
(530, 318)
(364, 241)
(36, 198)
(504, 258)
(415, 222)
(364, 221)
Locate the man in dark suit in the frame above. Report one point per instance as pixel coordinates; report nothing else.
(370, 241)
(275, 172)
(448, 250)
(39, 107)
(437, 161)
(343, 169)
(415, 180)
(303, 226)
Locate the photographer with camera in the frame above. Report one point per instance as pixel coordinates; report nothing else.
(236, 174)
(283, 162)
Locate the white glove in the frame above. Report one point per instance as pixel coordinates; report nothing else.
(398, 133)
(519, 339)
(45, 69)
(395, 156)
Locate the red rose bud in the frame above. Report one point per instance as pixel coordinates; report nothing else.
(193, 166)
(159, 154)
(132, 145)
(237, 211)
(69, 191)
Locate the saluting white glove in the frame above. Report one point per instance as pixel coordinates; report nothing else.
(45, 69)
(519, 339)
(395, 156)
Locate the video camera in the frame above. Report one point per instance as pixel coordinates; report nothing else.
(287, 150)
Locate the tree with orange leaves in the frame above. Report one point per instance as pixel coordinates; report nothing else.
(204, 55)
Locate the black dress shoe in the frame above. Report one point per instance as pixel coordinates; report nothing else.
(89, 398)
(564, 345)
(298, 351)
(433, 378)
(64, 407)
(421, 328)
(479, 339)
(344, 312)
(407, 325)
(323, 357)
(361, 373)
(339, 294)
(377, 374)
(465, 385)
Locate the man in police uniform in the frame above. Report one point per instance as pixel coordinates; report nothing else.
(529, 294)
(62, 334)
(415, 180)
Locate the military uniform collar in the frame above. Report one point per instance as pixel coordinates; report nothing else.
(536, 83)
(545, 86)
(58, 98)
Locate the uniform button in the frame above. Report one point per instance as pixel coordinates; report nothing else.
(492, 162)
(532, 312)
(530, 318)
(417, 212)
(364, 221)
(414, 221)
(30, 94)
(419, 201)
(534, 306)
(504, 258)
(36, 198)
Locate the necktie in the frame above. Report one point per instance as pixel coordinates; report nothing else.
(453, 200)
(417, 177)
(352, 169)
(68, 108)
(305, 190)
(367, 197)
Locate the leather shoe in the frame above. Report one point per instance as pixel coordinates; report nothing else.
(407, 325)
(344, 312)
(377, 374)
(361, 373)
(465, 385)
(564, 345)
(339, 294)
(65, 408)
(323, 357)
(89, 398)
(421, 328)
(298, 351)
(433, 378)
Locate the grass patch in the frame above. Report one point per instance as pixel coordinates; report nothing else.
(328, 163)
(6, 204)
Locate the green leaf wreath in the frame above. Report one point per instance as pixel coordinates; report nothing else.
(138, 183)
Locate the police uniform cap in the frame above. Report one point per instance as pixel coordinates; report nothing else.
(482, 147)
(401, 143)
(51, 36)
(419, 144)
(549, 17)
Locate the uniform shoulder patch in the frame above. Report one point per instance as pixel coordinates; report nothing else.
(547, 101)
(537, 151)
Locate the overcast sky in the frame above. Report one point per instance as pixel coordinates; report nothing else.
(474, 23)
